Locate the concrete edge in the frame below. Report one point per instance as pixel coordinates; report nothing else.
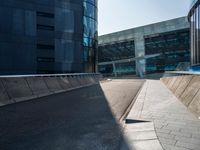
(142, 122)
(125, 114)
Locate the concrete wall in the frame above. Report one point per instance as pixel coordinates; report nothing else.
(187, 89)
(15, 89)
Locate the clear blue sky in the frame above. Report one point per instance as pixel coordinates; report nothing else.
(116, 15)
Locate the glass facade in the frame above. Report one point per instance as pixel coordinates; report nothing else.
(51, 36)
(90, 35)
(173, 49)
(193, 2)
(194, 17)
(117, 51)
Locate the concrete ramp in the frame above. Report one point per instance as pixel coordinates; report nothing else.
(187, 90)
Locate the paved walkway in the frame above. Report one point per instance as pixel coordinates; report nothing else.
(176, 128)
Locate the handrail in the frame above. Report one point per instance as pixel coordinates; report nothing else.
(182, 72)
(49, 75)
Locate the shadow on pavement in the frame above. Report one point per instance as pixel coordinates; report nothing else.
(130, 121)
(75, 120)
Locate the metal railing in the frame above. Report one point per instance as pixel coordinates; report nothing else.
(179, 73)
(51, 75)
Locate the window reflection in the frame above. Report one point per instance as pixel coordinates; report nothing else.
(90, 34)
(173, 47)
(89, 10)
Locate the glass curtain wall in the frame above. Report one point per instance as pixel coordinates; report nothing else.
(90, 35)
(173, 49)
(117, 51)
(194, 17)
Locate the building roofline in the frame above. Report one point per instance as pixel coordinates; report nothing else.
(143, 26)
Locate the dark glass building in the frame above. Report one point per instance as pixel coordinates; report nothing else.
(48, 36)
(194, 18)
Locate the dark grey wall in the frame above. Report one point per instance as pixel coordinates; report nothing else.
(20, 36)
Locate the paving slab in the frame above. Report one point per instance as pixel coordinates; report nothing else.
(143, 145)
(140, 127)
(141, 135)
(175, 126)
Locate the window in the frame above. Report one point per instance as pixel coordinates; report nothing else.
(45, 27)
(44, 14)
(45, 59)
(43, 46)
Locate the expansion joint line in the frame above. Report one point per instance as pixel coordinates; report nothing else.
(147, 85)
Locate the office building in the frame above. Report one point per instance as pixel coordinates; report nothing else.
(153, 48)
(48, 36)
(194, 18)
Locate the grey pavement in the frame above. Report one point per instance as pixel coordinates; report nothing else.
(140, 136)
(175, 126)
(82, 119)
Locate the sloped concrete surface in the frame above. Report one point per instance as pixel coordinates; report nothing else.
(187, 89)
(5, 98)
(16, 87)
(20, 88)
(176, 127)
(82, 119)
(37, 85)
(121, 93)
